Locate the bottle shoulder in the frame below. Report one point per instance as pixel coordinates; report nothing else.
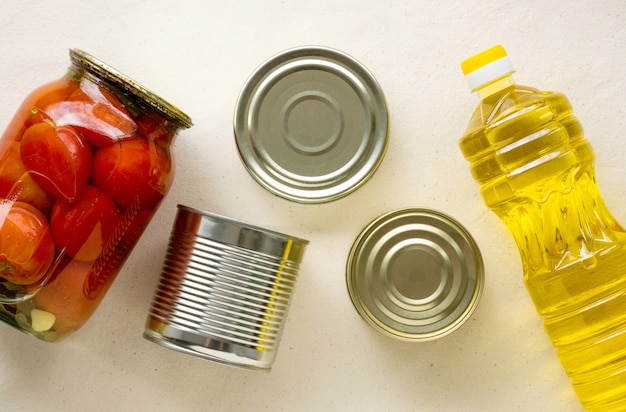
(515, 98)
(509, 103)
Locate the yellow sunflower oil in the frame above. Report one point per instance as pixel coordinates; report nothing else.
(535, 168)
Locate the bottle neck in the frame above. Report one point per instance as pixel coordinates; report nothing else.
(495, 86)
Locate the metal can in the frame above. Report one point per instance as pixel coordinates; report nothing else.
(225, 290)
(84, 164)
(415, 274)
(311, 124)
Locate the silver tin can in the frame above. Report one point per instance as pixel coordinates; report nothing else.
(311, 124)
(415, 274)
(225, 289)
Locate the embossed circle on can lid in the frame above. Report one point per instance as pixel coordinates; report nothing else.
(311, 124)
(415, 274)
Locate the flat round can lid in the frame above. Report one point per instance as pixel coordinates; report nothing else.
(415, 274)
(311, 124)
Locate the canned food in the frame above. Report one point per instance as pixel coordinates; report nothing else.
(84, 164)
(225, 290)
(311, 124)
(415, 274)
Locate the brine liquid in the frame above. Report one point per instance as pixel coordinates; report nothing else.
(536, 172)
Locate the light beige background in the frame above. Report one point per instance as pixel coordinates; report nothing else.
(197, 54)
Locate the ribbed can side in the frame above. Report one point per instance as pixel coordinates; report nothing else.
(221, 301)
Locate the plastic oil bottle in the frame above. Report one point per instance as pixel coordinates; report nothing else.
(536, 172)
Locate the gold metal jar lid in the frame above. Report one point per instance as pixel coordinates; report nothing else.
(311, 124)
(415, 274)
(128, 85)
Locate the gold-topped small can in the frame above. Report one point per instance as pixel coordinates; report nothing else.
(415, 274)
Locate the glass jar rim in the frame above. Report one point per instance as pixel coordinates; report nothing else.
(109, 73)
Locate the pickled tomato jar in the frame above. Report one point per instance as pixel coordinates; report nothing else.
(84, 164)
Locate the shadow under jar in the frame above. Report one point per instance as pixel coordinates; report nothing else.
(84, 164)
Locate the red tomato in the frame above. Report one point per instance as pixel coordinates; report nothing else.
(26, 245)
(153, 127)
(87, 227)
(95, 113)
(134, 225)
(58, 158)
(32, 109)
(107, 266)
(148, 123)
(16, 183)
(134, 172)
(104, 271)
(64, 296)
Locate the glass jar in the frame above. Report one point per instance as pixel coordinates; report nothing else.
(84, 164)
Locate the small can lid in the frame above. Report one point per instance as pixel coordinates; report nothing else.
(311, 124)
(415, 274)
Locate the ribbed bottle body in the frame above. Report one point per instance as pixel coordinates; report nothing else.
(528, 152)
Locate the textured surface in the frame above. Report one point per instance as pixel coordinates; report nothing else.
(197, 54)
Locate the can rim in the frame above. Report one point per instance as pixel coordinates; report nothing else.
(377, 324)
(98, 67)
(242, 225)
